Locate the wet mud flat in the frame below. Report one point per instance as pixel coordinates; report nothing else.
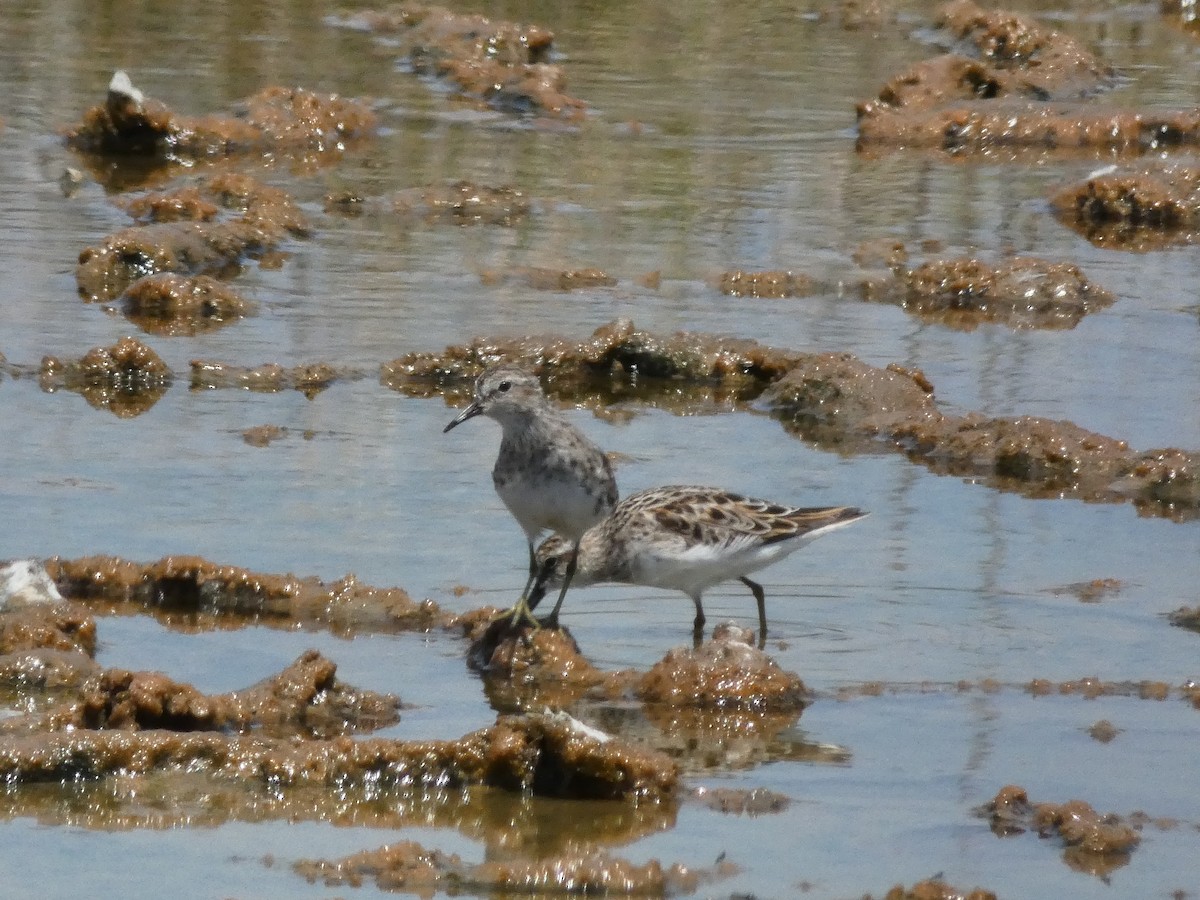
(304, 728)
(593, 778)
(831, 399)
(299, 745)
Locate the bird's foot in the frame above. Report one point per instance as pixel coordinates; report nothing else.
(519, 615)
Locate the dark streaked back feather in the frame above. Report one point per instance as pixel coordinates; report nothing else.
(701, 515)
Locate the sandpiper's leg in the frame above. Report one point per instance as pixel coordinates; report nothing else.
(552, 619)
(757, 591)
(522, 610)
(698, 622)
(533, 572)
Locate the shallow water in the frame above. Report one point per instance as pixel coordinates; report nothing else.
(742, 157)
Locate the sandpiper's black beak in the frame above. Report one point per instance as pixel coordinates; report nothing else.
(469, 413)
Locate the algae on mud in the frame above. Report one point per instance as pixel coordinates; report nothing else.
(291, 122)
(834, 400)
(1029, 89)
(726, 146)
(166, 726)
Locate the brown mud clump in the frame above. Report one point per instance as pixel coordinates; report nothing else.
(528, 668)
(1094, 844)
(838, 397)
(460, 203)
(261, 217)
(1142, 209)
(64, 627)
(168, 304)
(833, 399)
(1019, 292)
(831, 396)
(725, 704)
(1024, 89)
(277, 121)
(727, 672)
(186, 204)
(305, 700)
(126, 379)
(192, 594)
(1046, 62)
(496, 65)
(409, 867)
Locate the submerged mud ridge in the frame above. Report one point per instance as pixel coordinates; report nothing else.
(834, 400)
(752, 803)
(1094, 844)
(191, 593)
(547, 279)
(934, 889)
(1088, 688)
(533, 753)
(460, 203)
(269, 378)
(771, 285)
(1186, 617)
(961, 293)
(304, 700)
(411, 868)
(497, 65)
(1026, 87)
(61, 627)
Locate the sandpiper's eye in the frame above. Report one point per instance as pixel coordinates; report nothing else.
(503, 386)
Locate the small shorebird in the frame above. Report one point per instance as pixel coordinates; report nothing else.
(549, 475)
(686, 538)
